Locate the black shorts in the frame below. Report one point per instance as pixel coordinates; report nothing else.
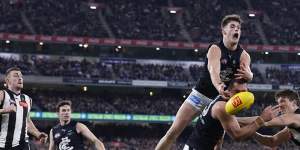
(24, 146)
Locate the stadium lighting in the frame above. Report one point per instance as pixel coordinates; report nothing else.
(298, 54)
(196, 50)
(93, 7)
(251, 15)
(7, 41)
(85, 45)
(84, 88)
(266, 53)
(157, 48)
(184, 96)
(116, 49)
(41, 43)
(173, 11)
(80, 45)
(151, 93)
(119, 46)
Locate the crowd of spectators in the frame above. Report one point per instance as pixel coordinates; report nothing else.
(152, 20)
(280, 26)
(135, 71)
(139, 103)
(64, 67)
(104, 103)
(282, 76)
(88, 69)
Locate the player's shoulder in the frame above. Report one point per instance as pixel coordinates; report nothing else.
(214, 49)
(55, 127)
(26, 95)
(218, 108)
(214, 46)
(79, 124)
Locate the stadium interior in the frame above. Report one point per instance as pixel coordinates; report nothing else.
(128, 65)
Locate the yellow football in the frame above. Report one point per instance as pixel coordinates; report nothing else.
(238, 102)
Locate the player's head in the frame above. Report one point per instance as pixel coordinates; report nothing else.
(236, 86)
(14, 78)
(231, 28)
(64, 110)
(288, 100)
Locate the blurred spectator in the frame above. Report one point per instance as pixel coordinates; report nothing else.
(132, 19)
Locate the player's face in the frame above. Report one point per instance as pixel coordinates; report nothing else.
(286, 106)
(15, 80)
(232, 32)
(64, 113)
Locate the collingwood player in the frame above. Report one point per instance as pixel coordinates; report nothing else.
(209, 130)
(14, 114)
(68, 135)
(288, 100)
(224, 61)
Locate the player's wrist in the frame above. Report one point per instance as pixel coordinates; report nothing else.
(259, 122)
(249, 76)
(38, 135)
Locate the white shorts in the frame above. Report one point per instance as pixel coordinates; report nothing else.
(198, 100)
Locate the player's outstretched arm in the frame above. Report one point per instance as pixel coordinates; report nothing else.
(41, 136)
(284, 120)
(84, 130)
(275, 140)
(246, 120)
(51, 144)
(214, 67)
(231, 125)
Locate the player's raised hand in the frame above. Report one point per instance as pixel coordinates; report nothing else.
(224, 93)
(244, 73)
(43, 137)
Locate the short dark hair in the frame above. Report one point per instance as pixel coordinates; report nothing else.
(232, 17)
(11, 69)
(288, 93)
(62, 103)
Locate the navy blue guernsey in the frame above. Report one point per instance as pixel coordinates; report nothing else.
(230, 62)
(295, 132)
(207, 131)
(66, 137)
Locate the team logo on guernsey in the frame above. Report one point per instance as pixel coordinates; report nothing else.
(23, 104)
(64, 144)
(56, 135)
(224, 61)
(23, 101)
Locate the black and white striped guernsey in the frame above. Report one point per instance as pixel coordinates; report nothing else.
(13, 125)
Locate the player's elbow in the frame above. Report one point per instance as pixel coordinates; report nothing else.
(98, 143)
(95, 141)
